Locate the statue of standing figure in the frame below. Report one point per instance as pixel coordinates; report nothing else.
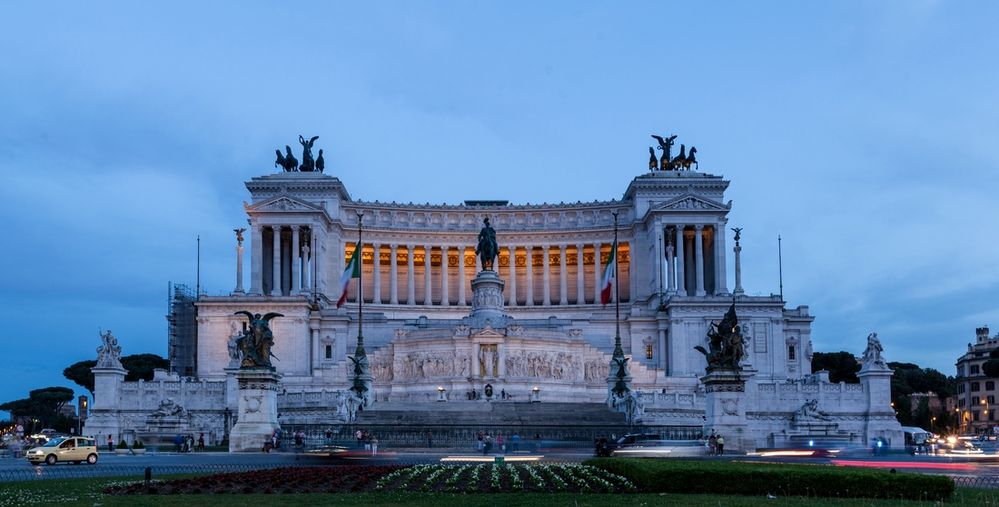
(872, 354)
(308, 163)
(487, 248)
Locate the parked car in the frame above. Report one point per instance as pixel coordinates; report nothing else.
(71, 449)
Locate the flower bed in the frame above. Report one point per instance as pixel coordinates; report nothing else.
(277, 480)
(488, 478)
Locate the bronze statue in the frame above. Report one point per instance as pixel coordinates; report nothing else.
(257, 340)
(653, 163)
(665, 144)
(320, 162)
(680, 159)
(691, 160)
(308, 164)
(290, 162)
(239, 234)
(738, 234)
(726, 347)
(487, 249)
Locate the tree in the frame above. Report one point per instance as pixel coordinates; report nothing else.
(81, 375)
(842, 366)
(139, 366)
(43, 404)
(991, 367)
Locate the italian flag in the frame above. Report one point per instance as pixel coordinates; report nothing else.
(353, 271)
(610, 271)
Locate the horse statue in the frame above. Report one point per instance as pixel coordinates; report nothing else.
(320, 162)
(653, 163)
(680, 159)
(487, 249)
(290, 162)
(691, 160)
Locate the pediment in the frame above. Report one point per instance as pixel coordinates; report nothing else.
(282, 203)
(692, 203)
(487, 332)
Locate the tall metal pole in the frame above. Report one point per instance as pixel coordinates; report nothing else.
(197, 287)
(617, 295)
(360, 285)
(780, 269)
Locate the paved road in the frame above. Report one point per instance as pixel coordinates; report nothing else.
(982, 473)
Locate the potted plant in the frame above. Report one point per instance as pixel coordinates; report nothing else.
(138, 448)
(122, 447)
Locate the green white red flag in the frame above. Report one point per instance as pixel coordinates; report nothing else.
(353, 271)
(610, 272)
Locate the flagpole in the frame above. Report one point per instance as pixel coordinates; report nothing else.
(617, 296)
(360, 285)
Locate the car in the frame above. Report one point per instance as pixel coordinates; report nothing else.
(71, 450)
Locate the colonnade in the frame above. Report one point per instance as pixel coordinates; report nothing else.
(560, 278)
(695, 259)
(284, 264)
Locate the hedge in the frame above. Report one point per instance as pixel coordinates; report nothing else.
(757, 479)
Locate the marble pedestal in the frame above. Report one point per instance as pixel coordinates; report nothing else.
(257, 418)
(725, 408)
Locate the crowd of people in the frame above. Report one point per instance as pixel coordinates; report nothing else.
(182, 443)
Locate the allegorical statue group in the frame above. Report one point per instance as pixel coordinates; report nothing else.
(255, 344)
(726, 346)
(289, 163)
(667, 162)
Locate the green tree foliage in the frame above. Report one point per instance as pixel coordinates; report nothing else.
(991, 367)
(910, 379)
(42, 404)
(81, 375)
(139, 366)
(842, 366)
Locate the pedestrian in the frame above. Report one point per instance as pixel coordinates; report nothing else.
(201, 442)
(487, 444)
(503, 393)
(515, 442)
(713, 444)
(299, 439)
(274, 439)
(374, 445)
(359, 435)
(110, 443)
(720, 443)
(329, 436)
(178, 442)
(481, 441)
(500, 443)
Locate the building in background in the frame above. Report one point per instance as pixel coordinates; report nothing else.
(182, 330)
(976, 391)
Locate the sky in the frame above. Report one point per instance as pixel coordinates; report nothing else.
(862, 133)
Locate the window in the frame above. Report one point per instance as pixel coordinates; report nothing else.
(974, 416)
(990, 385)
(790, 352)
(960, 402)
(975, 369)
(329, 352)
(960, 388)
(992, 399)
(648, 351)
(975, 387)
(975, 400)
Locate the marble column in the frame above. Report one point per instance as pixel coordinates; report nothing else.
(738, 269)
(239, 266)
(670, 272)
(476, 369)
(461, 276)
(410, 276)
(580, 276)
(501, 361)
(376, 286)
(699, 259)
(276, 272)
(546, 275)
(296, 260)
(428, 284)
(530, 276)
(597, 272)
(563, 278)
(681, 275)
(661, 345)
(256, 259)
(721, 287)
(512, 294)
(394, 274)
(445, 297)
(306, 269)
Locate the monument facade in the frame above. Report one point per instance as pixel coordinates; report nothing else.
(451, 306)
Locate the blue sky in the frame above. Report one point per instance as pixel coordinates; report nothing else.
(862, 132)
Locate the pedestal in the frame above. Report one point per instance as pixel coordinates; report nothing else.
(487, 300)
(257, 417)
(725, 408)
(879, 416)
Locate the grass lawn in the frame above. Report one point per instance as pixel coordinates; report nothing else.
(87, 492)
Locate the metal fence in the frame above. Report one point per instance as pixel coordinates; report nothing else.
(986, 482)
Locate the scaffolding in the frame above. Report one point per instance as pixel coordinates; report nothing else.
(182, 329)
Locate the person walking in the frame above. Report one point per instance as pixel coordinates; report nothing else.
(720, 444)
(110, 443)
(359, 435)
(712, 444)
(500, 442)
(201, 442)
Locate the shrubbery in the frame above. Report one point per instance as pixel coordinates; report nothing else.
(725, 478)
(122, 444)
